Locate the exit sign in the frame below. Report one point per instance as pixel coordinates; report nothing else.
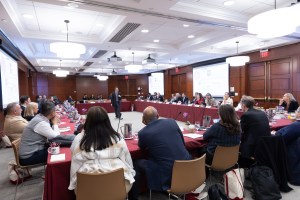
(264, 53)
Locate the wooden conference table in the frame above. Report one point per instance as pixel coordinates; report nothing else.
(57, 176)
(83, 107)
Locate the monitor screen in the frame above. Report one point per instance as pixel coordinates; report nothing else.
(9, 80)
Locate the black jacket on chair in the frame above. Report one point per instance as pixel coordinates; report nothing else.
(271, 152)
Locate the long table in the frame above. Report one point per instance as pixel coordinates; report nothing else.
(57, 176)
(178, 112)
(83, 107)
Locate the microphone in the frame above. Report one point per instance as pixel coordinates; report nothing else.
(177, 116)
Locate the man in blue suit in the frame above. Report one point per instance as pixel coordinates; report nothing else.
(163, 140)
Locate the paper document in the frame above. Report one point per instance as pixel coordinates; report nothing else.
(58, 157)
(193, 135)
(64, 129)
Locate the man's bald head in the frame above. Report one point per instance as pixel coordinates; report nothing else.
(149, 114)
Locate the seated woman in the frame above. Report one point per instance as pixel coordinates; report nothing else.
(99, 148)
(227, 132)
(227, 99)
(289, 102)
(31, 110)
(209, 100)
(199, 99)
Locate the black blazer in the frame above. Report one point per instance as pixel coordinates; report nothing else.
(292, 107)
(185, 100)
(254, 124)
(115, 102)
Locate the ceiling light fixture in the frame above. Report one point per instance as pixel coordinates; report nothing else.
(275, 23)
(27, 16)
(133, 68)
(236, 61)
(145, 31)
(59, 72)
(191, 36)
(67, 49)
(186, 25)
(114, 58)
(156, 41)
(148, 60)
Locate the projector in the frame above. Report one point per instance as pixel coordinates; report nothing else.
(148, 60)
(114, 58)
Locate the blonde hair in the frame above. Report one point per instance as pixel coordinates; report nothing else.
(290, 97)
(29, 110)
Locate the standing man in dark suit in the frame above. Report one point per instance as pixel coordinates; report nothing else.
(116, 101)
(163, 139)
(254, 124)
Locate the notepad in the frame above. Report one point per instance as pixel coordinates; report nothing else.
(58, 157)
(193, 135)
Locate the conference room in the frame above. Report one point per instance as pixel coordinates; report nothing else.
(76, 48)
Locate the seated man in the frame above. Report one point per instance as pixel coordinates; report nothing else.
(14, 123)
(254, 124)
(291, 137)
(163, 139)
(35, 135)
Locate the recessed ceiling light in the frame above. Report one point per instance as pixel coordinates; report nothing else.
(156, 41)
(99, 25)
(145, 31)
(27, 16)
(186, 25)
(191, 36)
(228, 3)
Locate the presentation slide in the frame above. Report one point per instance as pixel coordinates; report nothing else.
(156, 83)
(9, 80)
(211, 78)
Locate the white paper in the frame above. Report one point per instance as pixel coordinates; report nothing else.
(193, 135)
(64, 129)
(58, 157)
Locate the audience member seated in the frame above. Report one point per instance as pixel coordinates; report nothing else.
(178, 98)
(185, 99)
(159, 97)
(14, 123)
(172, 99)
(163, 139)
(227, 99)
(291, 137)
(199, 99)
(149, 97)
(85, 97)
(155, 96)
(194, 97)
(99, 97)
(70, 99)
(254, 124)
(227, 132)
(239, 106)
(31, 110)
(24, 101)
(33, 148)
(209, 100)
(289, 102)
(99, 148)
(92, 97)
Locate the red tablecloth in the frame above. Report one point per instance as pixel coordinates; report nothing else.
(58, 174)
(175, 111)
(280, 123)
(125, 106)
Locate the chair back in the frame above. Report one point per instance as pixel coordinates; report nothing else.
(188, 175)
(16, 145)
(101, 186)
(225, 157)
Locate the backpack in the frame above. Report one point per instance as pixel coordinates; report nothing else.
(216, 192)
(264, 184)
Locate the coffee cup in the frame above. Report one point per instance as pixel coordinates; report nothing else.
(54, 150)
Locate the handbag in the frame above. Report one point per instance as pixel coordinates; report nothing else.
(234, 184)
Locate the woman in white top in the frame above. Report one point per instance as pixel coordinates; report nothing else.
(99, 148)
(227, 99)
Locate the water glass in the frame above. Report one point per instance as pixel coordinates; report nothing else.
(197, 125)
